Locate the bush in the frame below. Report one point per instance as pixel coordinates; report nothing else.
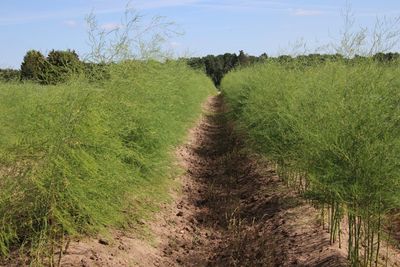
(32, 67)
(61, 66)
(9, 75)
(95, 72)
(58, 67)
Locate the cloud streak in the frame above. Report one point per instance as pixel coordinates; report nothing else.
(307, 12)
(118, 6)
(71, 23)
(23, 18)
(67, 14)
(271, 7)
(164, 3)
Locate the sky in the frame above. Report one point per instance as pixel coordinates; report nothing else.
(208, 27)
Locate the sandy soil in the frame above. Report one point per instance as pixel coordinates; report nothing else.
(236, 212)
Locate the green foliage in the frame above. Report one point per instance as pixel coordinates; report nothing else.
(334, 130)
(243, 59)
(61, 66)
(32, 67)
(80, 156)
(218, 66)
(58, 67)
(388, 57)
(95, 72)
(10, 75)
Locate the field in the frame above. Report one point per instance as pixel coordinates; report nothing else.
(294, 162)
(197, 133)
(129, 155)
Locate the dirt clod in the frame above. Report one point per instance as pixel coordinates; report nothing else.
(104, 241)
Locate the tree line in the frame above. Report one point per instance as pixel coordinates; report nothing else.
(216, 67)
(59, 66)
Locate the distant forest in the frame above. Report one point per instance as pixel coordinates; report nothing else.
(58, 66)
(216, 67)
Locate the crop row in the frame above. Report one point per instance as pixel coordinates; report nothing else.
(81, 156)
(334, 131)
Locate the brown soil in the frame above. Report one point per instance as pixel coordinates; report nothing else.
(235, 211)
(232, 210)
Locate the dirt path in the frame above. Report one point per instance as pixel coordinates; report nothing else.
(236, 212)
(232, 210)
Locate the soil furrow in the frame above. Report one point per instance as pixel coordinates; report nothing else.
(235, 211)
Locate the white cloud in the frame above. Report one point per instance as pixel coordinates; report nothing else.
(71, 23)
(110, 26)
(307, 12)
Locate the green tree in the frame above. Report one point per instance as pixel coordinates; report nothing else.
(243, 58)
(33, 65)
(61, 66)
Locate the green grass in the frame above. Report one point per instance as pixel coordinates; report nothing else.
(334, 125)
(79, 157)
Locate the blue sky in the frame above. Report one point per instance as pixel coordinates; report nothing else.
(211, 27)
